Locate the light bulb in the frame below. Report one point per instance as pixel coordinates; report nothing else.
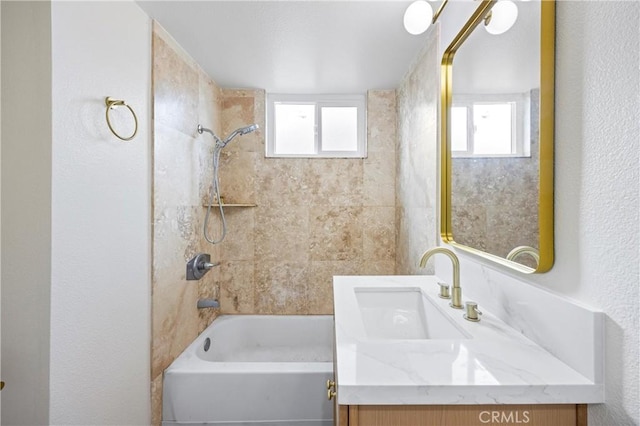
(503, 15)
(417, 17)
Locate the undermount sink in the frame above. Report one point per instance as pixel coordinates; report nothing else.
(404, 313)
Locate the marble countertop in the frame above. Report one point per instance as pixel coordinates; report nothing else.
(496, 365)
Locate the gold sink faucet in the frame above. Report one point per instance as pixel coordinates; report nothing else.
(456, 301)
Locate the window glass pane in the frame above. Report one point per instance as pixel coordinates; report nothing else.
(492, 128)
(459, 138)
(295, 127)
(339, 128)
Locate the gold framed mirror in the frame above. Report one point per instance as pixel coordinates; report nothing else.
(497, 122)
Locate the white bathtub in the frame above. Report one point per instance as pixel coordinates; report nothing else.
(258, 370)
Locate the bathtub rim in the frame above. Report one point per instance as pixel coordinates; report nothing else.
(188, 362)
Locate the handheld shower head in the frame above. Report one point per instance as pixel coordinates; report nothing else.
(248, 129)
(222, 143)
(240, 131)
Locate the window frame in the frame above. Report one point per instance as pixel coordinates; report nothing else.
(520, 123)
(319, 101)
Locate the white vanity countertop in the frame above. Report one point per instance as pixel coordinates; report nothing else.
(497, 365)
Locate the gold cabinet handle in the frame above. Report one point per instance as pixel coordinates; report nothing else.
(1, 385)
(331, 389)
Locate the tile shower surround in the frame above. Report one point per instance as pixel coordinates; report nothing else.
(183, 96)
(418, 98)
(314, 217)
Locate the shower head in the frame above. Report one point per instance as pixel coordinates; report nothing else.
(222, 143)
(240, 131)
(248, 129)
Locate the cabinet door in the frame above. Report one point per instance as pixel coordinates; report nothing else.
(341, 414)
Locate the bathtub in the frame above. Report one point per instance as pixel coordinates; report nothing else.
(253, 370)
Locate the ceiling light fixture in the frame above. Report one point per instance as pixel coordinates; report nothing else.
(417, 17)
(501, 17)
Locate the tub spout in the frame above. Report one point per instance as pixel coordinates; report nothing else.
(208, 303)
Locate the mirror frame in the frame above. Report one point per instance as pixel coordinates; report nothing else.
(547, 81)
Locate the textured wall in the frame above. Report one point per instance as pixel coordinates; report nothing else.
(495, 200)
(183, 97)
(101, 206)
(315, 218)
(597, 179)
(417, 157)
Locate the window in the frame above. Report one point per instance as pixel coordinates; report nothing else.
(490, 126)
(316, 126)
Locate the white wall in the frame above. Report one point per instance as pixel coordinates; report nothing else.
(101, 211)
(26, 211)
(597, 135)
(596, 194)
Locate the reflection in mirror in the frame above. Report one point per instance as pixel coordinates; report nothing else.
(497, 191)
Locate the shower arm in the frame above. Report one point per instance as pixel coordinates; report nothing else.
(201, 130)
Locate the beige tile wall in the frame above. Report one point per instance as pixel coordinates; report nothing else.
(417, 177)
(315, 218)
(183, 96)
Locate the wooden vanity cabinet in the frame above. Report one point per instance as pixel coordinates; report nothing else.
(453, 415)
(460, 415)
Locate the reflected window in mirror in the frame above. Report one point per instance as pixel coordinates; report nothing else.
(491, 125)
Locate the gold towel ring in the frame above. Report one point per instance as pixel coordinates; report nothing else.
(111, 103)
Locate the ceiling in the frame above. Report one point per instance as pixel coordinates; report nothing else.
(294, 46)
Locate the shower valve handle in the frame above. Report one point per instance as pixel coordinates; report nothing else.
(199, 265)
(207, 265)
